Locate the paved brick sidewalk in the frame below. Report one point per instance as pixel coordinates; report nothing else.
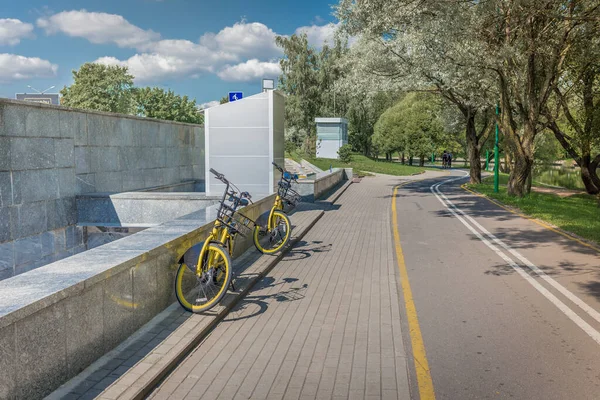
(149, 345)
(325, 323)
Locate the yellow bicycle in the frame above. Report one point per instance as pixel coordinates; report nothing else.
(205, 270)
(271, 237)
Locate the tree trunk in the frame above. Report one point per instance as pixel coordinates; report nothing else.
(403, 159)
(508, 162)
(518, 181)
(593, 168)
(410, 159)
(519, 176)
(589, 175)
(475, 169)
(473, 149)
(586, 177)
(421, 161)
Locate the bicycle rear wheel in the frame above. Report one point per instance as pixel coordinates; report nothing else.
(198, 292)
(271, 241)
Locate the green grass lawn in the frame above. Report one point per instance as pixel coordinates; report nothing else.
(579, 214)
(362, 165)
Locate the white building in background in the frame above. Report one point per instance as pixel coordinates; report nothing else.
(332, 133)
(242, 138)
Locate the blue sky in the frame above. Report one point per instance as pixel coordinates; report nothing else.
(199, 48)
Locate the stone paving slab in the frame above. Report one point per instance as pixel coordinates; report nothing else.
(324, 324)
(141, 359)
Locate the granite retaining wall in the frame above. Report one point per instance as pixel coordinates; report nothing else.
(59, 318)
(51, 154)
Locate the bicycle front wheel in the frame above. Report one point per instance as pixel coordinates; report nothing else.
(271, 241)
(199, 288)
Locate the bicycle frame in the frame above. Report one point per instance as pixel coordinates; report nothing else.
(221, 232)
(278, 203)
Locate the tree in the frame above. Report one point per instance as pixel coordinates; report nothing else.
(422, 46)
(412, 126)
(166, 105)
(224, 100)
(363, 113)
(575, 118)
(526, 43)
(472, 53)
(100, 87)
(308, 79)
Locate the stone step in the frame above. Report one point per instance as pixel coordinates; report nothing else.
(295, 168)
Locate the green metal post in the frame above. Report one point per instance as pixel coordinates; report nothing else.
(432, 158)
(487, 160)
(496, 155)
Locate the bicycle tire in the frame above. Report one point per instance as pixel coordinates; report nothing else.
(280, 219)
(181, 289)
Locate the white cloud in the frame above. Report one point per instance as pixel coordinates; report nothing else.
(171, 59)
(209, 104)
(164, 58)
(183, 58)
(318, 35)
(151, 67)
(186, 49)
(99, 28)
(249, 70)
(13, 30)
(234, 53)
(14, 67)
(244, 40)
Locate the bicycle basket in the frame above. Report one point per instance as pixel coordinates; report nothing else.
(292, 197)
(242, 224)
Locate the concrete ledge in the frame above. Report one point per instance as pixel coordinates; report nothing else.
(313, 189)
(139, 208)
(187, 186)
(58, 319)
(338, 193)
(326, 180)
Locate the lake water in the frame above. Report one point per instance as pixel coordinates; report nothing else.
(558, 175)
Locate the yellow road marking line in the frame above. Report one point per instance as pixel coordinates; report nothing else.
(424, 380)
(537, 221)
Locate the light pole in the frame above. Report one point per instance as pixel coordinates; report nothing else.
(42, 92)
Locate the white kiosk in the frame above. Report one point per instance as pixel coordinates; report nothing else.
(332, 133)
(242, 138)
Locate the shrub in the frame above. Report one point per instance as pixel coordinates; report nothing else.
(290, 147)
(345, 153)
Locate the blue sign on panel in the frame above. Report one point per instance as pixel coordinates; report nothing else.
(233, 96)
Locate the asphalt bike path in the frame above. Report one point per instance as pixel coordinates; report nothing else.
(506, 308)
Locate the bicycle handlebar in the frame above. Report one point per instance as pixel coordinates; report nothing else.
(219, 176)
(277, 166)
(291, 178)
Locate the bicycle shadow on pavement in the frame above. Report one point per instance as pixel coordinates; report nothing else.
(253, 305)
(304, 249)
